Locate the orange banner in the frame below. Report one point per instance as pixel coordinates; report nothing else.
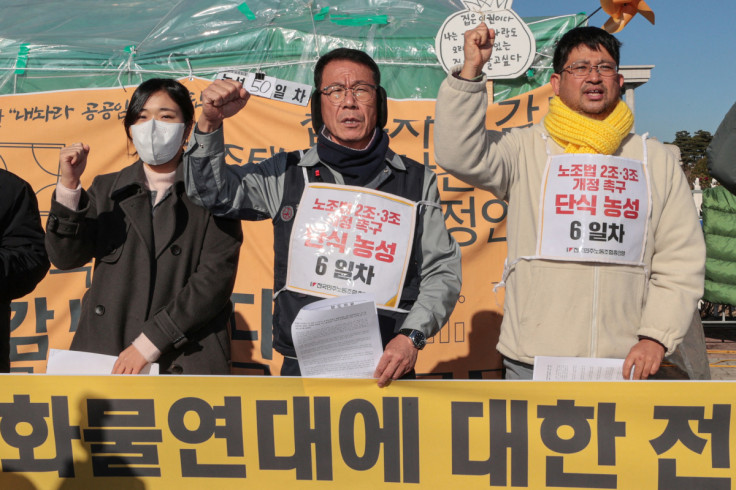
(35, 126)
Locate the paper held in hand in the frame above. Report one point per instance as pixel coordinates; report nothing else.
(338, 337)
(81, 363)
(577, 369)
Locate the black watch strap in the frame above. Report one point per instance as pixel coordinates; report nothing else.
(417, 337)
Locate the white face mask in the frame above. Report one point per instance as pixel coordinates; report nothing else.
(157, 142)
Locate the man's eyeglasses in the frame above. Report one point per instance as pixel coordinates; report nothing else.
(582, 69)
(362, 92)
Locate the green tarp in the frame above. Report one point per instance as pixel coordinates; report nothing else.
(61, 45)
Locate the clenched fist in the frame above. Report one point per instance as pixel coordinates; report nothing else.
(220, 100)
(477, 49)
(72, 162)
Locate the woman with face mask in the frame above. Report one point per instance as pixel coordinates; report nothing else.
(164, 268)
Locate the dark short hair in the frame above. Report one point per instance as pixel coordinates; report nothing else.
(594, 38)
(178, 93)
(345, 54)
(360, 58)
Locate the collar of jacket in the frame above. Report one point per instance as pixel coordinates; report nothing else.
(132, 179)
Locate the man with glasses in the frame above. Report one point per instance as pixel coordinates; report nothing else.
(605, 254)
(349, 112)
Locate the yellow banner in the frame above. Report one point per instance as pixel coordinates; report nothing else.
(264, 432)
(35, 126)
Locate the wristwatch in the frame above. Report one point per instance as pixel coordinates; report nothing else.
(417, 338)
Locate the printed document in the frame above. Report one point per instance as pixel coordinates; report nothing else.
(577, 369)
(338, 337)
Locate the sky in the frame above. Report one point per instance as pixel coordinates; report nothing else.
(693, 48)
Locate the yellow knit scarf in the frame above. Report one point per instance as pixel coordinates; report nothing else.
(580, 134)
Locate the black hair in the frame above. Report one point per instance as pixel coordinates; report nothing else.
(178, 93)
(347, 54)
(594, 38)
(360, 58)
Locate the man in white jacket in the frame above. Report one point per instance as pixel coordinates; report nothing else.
(605, 253)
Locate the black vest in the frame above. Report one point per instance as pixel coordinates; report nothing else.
(407, 184)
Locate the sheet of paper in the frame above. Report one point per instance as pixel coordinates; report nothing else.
(338, 337)
(75, 362)
(577, 369)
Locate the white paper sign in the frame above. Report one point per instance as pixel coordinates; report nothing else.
(338, 338)
(594, 208)
(270, 87)
(80, 363)
(513, 49)
(350, 240)
(577, 369)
